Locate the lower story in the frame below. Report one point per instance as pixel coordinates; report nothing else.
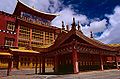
(64, 63)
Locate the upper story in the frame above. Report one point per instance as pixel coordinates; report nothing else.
(8, 31)
(27, 27)
(30, 14)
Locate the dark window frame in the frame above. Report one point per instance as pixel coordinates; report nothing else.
(10, 22)
(11, 39)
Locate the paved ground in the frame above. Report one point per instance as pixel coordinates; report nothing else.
(29, 74)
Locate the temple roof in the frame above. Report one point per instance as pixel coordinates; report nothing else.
(78, 33)
(64, 37)
(114, 45)
(22, 7)
(91, 41)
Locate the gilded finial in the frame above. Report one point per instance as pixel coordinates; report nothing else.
(63, 27)
(67, 27)
(73, 24)
(91, 34)
(78, 26)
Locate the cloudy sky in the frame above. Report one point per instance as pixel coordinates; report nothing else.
(100, 16)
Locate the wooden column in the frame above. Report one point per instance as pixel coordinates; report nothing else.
(18, 62)
(44, 41)
(101, 62)
(74, 60)
(36, 65)
(18, 30)
(56, 63)
(30, 37)
(43, 65)
(116, 61)
(40, 65)
(53, 38)
(12, 63)
(9, 66)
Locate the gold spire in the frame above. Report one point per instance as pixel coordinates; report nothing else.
(73, 24)
(63, 27)
(67, 27)
(78, 26)
(91, 34)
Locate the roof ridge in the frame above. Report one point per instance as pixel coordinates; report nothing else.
(36, 9)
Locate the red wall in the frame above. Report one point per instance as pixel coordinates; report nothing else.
(3, 26)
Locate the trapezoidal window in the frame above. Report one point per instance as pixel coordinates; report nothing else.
(9, 42)
(10, 26)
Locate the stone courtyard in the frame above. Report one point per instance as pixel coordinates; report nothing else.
(29, 74)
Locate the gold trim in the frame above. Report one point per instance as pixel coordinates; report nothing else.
(5, 53)
(23, 50)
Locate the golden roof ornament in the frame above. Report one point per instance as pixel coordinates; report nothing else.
(78, 26)
(67, 27)
(73, 24)
(63, 27)
(91, 34)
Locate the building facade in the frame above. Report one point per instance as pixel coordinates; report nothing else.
(73, 52)
(25, 29)
(29, 41)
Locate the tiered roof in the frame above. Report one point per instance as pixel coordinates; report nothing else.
(73, 34)
(22, 7)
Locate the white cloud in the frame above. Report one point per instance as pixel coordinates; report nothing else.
(86, 30)
(38, 4)
(111, 35)
(98, 26)
(44, 5)
(67, 15)
(95, 27)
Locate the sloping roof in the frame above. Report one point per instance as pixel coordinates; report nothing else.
(66, 36)
(26, 8)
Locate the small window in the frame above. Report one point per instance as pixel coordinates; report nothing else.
(9, 42)
(10, 26)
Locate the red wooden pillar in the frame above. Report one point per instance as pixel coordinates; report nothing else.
(56, 63)
(116, 60)
(40, 65)
(101, 62)
(18, 30)
(9, 66)
(74, 60)
(43, 64)
(36, 65)
(30, 37)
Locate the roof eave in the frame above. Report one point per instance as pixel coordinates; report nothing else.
(33, 9)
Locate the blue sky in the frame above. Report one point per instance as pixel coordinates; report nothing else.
(100, 16)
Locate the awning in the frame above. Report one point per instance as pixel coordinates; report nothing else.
(5, 54)
(22, 50)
